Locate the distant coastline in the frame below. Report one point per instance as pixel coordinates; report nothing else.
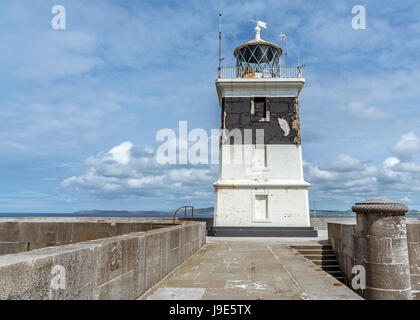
(199, 212)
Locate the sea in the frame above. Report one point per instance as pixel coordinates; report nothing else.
(95, 215)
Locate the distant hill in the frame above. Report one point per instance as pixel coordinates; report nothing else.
(204, 212)
(119, 212)
(143, 213)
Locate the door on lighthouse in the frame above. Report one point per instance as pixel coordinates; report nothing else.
(261, 207)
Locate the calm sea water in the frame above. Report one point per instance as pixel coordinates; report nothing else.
(98, 215)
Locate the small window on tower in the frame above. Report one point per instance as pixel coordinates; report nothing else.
(259, 109)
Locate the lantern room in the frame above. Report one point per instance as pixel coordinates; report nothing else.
(257, 58)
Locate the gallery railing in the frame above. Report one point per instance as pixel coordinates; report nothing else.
(249, 72)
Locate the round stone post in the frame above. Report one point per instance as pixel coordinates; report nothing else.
(382, 237)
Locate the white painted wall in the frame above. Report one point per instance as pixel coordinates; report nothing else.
(284, 161)
(253, 87)
(287, 207)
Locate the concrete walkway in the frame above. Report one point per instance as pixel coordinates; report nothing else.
(249, 268)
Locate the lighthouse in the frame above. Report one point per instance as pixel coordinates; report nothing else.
(261, 190)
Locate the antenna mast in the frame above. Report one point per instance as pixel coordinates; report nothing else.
(284, 37)
(219, 69)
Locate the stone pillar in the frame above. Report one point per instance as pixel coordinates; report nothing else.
(382, 242)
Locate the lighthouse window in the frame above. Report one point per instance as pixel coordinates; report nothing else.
(259, 110)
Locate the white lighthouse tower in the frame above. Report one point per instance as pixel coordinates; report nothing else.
(261, 190)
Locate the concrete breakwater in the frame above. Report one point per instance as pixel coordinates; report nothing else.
(82, 258)
(322, 223)
(382, 243)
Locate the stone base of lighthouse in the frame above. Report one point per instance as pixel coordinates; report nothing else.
(280, 204)
(250, 202)
(246, 208)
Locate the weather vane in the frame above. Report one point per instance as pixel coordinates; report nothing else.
(258, 25)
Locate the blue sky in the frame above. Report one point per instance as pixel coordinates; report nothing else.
(80, 108)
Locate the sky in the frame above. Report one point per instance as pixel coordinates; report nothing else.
(80, 108)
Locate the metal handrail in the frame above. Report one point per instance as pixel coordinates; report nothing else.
(274, 72)
(185, 214)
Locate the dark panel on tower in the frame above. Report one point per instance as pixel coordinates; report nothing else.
(277, 116)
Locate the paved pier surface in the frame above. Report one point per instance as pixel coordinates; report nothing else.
(249, 268)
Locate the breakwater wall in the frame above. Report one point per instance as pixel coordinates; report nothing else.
(81, 258)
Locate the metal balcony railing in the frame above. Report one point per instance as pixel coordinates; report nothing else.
(275, 72)
(185, 212)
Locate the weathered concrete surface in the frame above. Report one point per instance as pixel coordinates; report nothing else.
(322, 223)
(249, 268)
(386, 256)
(351, 250)
(340, 236)
(413, 241)
(120, 267)
(26, 234)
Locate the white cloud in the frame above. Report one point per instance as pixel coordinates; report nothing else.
(127, 170)
(390, 162)
(407, 146)
(360, 110)
(346, 178)
(121, 153)
(342, 163)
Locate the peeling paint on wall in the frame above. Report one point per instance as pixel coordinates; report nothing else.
(284, 126)
(237, 114)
